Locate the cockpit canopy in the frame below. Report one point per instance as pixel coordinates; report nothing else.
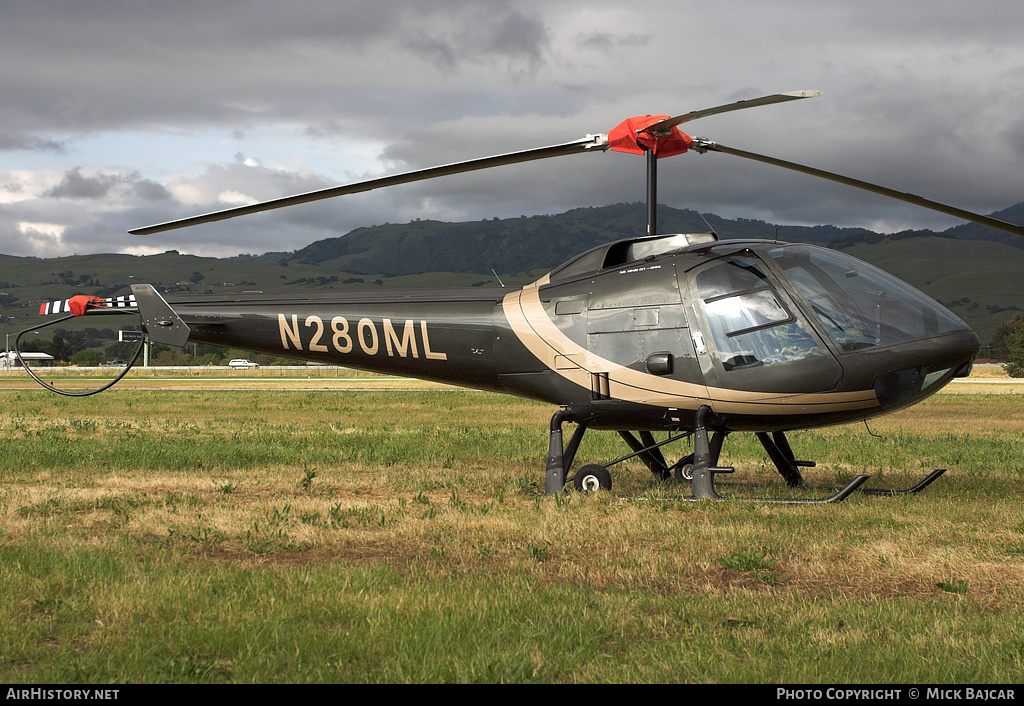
(857, 304)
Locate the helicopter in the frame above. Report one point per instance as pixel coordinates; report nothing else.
(679, 333)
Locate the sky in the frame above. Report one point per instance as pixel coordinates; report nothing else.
(116, 115)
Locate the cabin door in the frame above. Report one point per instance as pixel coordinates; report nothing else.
(748, 334)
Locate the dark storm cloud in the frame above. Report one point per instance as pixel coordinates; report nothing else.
(920, 98)
(148, 190)
(11, 142)
(608, 42)
(516, 35)
(235, 62)
(76, 185)
(508, 34)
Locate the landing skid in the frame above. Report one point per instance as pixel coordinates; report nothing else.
(909, 490)
(781, 454)
(880, 492)
(698, 468)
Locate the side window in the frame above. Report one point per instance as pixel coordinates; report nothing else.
(750, 324)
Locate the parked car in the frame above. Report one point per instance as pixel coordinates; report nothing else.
(242, 363)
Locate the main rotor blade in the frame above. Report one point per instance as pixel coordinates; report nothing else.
(669, 123)
(700, 144)
(585, 144)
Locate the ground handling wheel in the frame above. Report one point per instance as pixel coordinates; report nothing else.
(592, 478)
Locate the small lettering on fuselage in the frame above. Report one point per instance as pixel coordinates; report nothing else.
(342, 337)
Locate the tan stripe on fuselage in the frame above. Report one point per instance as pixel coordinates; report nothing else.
(535, 330)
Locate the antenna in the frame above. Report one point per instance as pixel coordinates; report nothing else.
(710, 227)
(497, 278)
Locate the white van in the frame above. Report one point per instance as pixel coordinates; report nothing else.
(242, 363)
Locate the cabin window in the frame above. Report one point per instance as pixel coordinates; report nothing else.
(584, 264)
(750, 324)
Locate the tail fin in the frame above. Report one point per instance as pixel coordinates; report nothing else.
(158, 319)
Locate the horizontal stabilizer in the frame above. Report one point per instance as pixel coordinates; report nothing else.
(81, 303)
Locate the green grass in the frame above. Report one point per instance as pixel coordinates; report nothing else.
(150, 614)
(268, 536)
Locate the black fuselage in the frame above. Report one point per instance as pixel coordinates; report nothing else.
(638, 335)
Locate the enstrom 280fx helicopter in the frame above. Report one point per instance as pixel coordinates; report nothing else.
(677, 333)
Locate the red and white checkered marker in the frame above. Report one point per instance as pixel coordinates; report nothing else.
(81, 303)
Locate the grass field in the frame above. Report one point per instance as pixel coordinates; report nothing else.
(289, 534)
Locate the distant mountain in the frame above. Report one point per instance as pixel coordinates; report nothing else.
(522, 244)
(974, 231)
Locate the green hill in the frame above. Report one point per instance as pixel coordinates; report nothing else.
(522, 244)
(974, 231)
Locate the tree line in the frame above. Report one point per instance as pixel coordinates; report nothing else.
(92, 347)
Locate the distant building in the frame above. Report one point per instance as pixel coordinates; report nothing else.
(39, 360)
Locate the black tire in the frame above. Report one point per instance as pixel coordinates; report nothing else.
(684, 473)
(684, 470)
(592, 478)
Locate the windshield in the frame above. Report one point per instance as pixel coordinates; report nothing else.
(859, 305)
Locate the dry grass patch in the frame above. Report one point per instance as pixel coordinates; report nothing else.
(985, 414)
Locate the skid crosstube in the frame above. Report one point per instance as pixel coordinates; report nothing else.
(704, 472)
